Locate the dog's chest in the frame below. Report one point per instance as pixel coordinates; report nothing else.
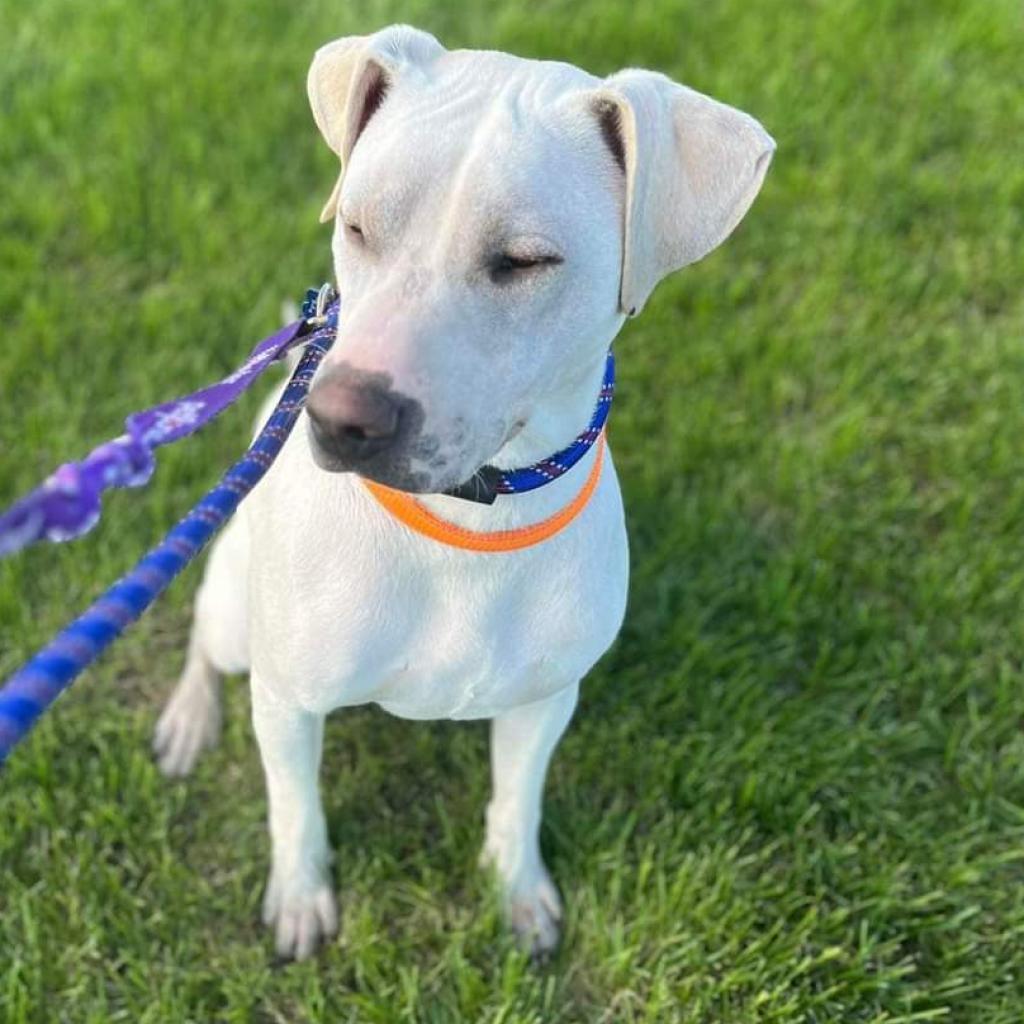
(349, 607)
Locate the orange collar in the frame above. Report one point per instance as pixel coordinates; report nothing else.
(418, 518)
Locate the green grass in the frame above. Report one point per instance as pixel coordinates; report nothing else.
(794, 791)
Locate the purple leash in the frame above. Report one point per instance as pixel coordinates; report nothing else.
(68, 504)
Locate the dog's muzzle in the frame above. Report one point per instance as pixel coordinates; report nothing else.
(358, 423)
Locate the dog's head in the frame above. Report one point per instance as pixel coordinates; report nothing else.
(496, 219)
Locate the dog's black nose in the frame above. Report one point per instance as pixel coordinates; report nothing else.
(352, 420)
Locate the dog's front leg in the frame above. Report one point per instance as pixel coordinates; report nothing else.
(299, 902)
(522, 742)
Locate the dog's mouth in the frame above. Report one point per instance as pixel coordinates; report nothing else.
(481, 485)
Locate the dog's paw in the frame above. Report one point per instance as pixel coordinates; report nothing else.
(530, 902)
(534, 913)
(302, 914)
(189, 724)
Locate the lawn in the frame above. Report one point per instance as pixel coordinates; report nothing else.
(794, 791)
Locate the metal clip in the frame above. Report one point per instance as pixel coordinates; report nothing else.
(324, 297)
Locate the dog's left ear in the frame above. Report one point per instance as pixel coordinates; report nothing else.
(349, 80)
(692, 168)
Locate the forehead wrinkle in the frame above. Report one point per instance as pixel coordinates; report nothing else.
(462, 206)
(422, 133)
(504, 182)
(473, 150)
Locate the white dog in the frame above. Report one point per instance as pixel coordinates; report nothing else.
(496, 220)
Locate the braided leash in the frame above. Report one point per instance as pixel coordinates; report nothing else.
(31, 690)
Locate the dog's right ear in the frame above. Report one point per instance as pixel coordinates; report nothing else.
(349, 80)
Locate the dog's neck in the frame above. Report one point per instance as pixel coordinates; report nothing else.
(554, 423)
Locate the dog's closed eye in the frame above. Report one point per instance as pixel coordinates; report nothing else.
(506, 267)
